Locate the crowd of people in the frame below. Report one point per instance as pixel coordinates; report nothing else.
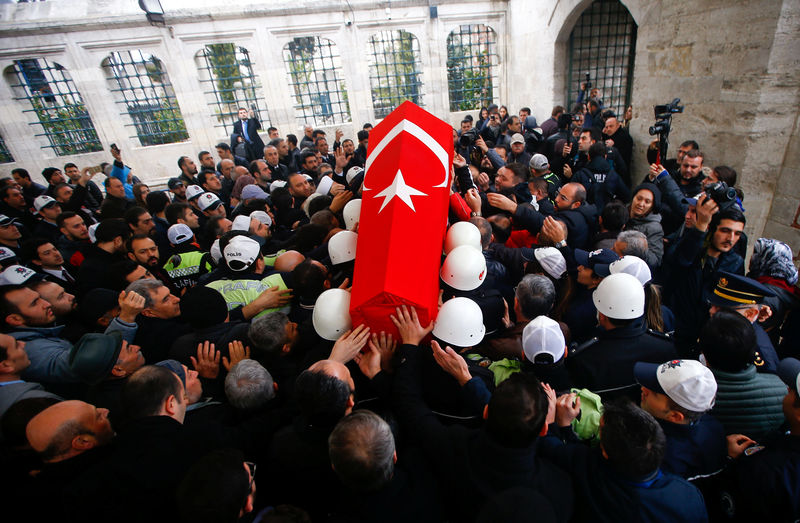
(600, 352)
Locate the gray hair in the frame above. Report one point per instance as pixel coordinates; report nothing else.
(268, 333)
(361, 448)
(536, 295)
(249, 386)
(145, 289)
(635, 244)
(485, 229)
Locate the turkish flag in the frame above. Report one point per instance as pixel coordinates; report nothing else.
(403, 218)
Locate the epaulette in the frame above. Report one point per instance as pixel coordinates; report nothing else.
(577, 349)
(657, 334)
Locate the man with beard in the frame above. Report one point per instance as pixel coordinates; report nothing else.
(144, 251)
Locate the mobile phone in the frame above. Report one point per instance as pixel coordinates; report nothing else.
(114, 148)
(95, 169)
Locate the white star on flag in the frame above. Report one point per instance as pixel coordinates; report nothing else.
(401, 190)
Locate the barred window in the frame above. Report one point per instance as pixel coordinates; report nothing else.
(5, 154)
(602, 43)
(314, 68)
(143, 89)
(227, 72)
(471, 67)
(394, 70)
(57, 104)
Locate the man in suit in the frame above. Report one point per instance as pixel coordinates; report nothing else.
(246, 131)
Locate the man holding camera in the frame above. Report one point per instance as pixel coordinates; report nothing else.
(700, 253)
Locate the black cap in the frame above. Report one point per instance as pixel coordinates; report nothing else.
(734, 291)
(174, 183)
(598, 260)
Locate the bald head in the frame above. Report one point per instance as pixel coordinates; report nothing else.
(239, 171)
(287, 261)
(67, 429)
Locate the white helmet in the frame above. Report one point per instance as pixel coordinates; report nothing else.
(462, 233)
(460, 323)
(464, 268)
(342, 247)
(331, 317)
(351, 213)
(619, 296)
(634, 266)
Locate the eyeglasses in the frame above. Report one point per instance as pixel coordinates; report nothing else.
(252, 467)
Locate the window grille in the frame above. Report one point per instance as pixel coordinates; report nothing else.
(5, 154)
(394, 70)
(471, 67)
(228, 71)
(314, 68)
(602, 43)
(144, 90)
(57, 104)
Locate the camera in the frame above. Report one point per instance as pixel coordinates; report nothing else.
(663, 125)
(722, 195)
(468, 138)
(587, 83)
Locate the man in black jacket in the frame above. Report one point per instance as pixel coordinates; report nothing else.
(475, 465)
(246, 131)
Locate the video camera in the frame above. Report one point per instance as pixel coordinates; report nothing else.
(663, 125)
(468, 138)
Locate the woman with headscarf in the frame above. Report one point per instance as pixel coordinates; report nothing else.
(772, 264)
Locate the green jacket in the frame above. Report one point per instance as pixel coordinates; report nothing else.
(238, 293)
(749, 402)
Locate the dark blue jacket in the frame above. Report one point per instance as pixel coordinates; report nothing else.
(602, 183)
(580, 222)
(694, 450)
(602, 494)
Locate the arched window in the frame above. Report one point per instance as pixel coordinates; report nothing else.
(602, 44)
(471, 67)
(394, 72)
(57, 104)
(146, 95)
(227, 72)
(314, 68)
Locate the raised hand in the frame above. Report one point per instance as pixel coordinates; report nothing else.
(207, 362)
(411, 332)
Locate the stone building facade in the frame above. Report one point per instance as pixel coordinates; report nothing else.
(733, 64)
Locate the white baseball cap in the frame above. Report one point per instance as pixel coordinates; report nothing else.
(539, 162)
(17, 275)
(241, 252)
(551, 260)
(688, 383)
(193, 191)
(543, 335)
(262, 216)
(241, 223)
(208, 201)
(634, 266)
(277, 183)
(40, 202)
(179, 233)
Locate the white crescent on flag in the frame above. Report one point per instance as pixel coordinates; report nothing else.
(416, 131)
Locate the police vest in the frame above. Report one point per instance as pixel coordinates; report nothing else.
(238, 293)
(184, 269)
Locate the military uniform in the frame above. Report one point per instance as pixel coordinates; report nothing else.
(604, 364)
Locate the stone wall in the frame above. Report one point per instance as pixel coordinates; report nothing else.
(733, 64)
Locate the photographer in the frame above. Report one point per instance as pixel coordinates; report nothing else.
(694, 263)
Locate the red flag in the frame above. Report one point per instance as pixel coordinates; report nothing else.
(403, 218)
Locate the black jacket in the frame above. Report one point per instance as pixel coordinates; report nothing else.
(694, 450)
(580, 222)
(470, 465)
(254, 147)
(604, 364)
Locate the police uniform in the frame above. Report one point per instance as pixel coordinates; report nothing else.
(604, 364)
(733, 291)
(185, 268)
(241, 292)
